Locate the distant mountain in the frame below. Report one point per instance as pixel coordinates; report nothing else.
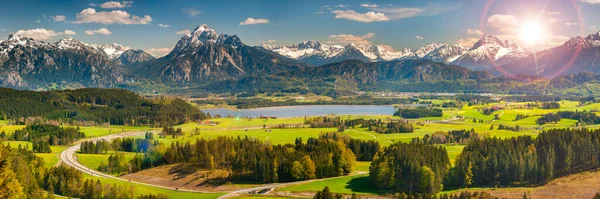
(113, 51)
(315, 53)
(134, 58)
(409, 70)
(27, 63)
(579, 54)
(488, 52)
(205, 55)
(446, 53)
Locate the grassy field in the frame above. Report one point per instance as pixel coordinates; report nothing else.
(4, 126)
(96, 131)
(94, 161)
(143, 189)
(358, 184)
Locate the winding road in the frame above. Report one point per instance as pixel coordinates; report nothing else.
(68, 157)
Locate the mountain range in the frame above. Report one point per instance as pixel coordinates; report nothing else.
(487, 52)
(207, 60)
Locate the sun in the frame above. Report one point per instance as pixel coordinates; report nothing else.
(531, 32)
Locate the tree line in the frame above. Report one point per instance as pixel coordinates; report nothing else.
(364, 150)
(525, 161)
(418, 112)
(42, 136)
(449, 137)
(249, 158)
(139, 145)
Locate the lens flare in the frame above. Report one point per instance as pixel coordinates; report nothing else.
(531, 32)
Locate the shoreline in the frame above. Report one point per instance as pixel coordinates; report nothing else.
(292, 106)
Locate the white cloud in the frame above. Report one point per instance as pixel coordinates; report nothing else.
(326, 7)
(192, 12)
(158, 52)
(419, 37)
(593, 27)
(59, 18)
(43, 34)
(164, 25)
(468, 42)
(270, 41)
(476, 32)
(401, 13)
(342, 6)
(92, 4)
(38, 21)
(362, 17)
(590, 1)
(366, 5)
(116, 4)
(554, 13)
(503, 23)
(349, 38)
(252, 21)
(69, 32)
(183, 32)
(102, 31)
(572, 24)
(90, 15)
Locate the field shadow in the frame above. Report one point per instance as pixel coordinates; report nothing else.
(361, 185)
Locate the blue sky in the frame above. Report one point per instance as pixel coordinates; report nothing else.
(153, 25)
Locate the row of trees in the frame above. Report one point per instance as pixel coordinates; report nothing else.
(45, 135)
(119, 144)
(584, 117)
(449, 137)
(248, 158)
(418, 112)
(550, 105)
(392, 126)
(547, 118)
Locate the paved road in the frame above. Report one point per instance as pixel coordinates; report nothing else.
(68, 157)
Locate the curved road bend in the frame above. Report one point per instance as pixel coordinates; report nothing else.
(68, 157)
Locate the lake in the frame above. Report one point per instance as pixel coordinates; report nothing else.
(299, 111)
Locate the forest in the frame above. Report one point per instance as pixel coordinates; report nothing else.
(113, 106)
(23, 175)
(418, 112)
(525, 161)
(45, 135)
(249, 158)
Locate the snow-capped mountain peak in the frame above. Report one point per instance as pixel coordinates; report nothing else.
(489, 51)
(446, 53)
(113, 51)
(422, 51)
(203, 34)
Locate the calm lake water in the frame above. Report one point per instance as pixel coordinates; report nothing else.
(299, 111)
